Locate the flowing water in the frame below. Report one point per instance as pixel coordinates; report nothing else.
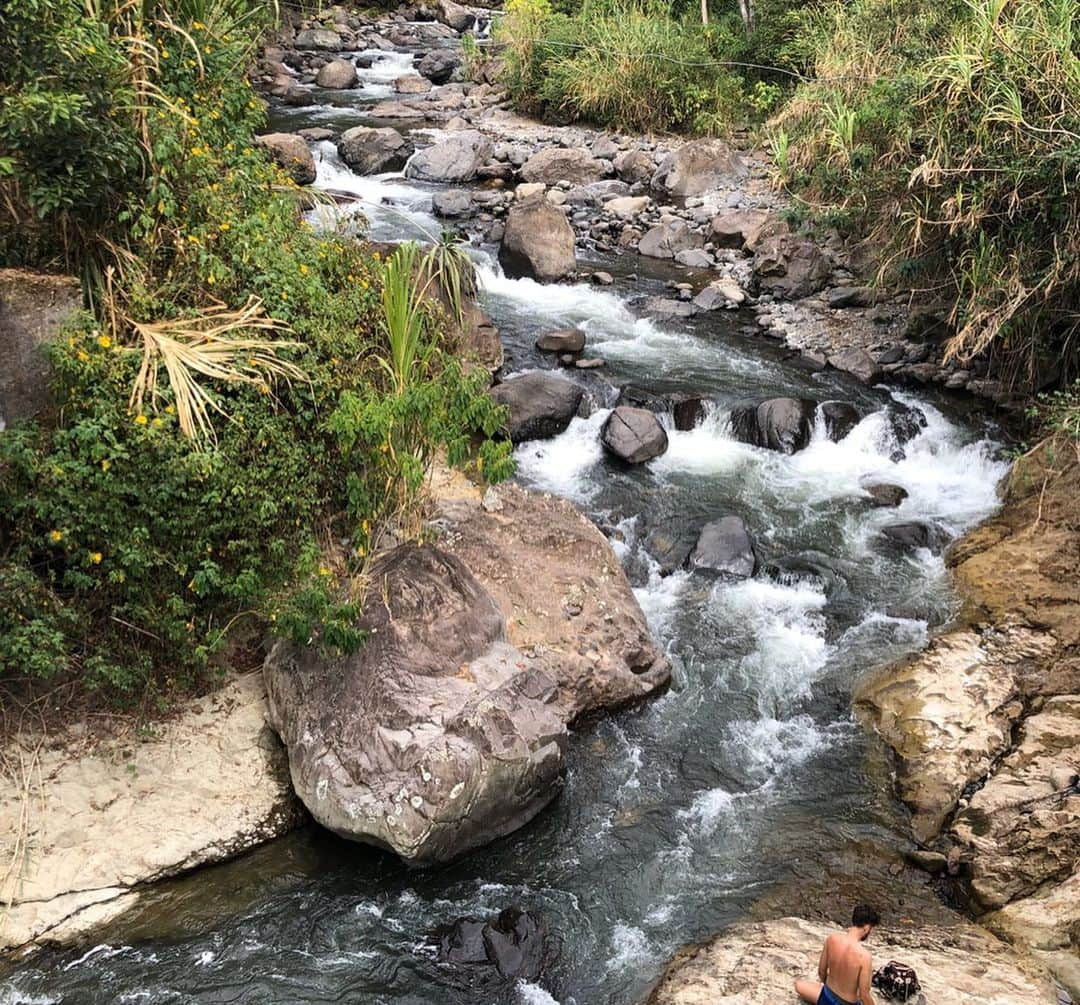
(677, 815)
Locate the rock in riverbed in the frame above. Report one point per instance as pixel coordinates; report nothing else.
(455, 159)
(373, 151)
(292, 155)
(538, 242)
(783, 424)
(540, 404)
(634, 435)
(724, 547)
(445, 729)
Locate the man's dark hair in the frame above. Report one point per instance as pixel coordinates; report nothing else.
(864, 915)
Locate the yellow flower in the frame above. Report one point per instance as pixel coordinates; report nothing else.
(55, 536)
(225, 226)
(95, 557)
(140, 420)
(157, 420)
(210, 279)
(480, 464)
(284, 296)
(323, 570)
(263, 389)
(83, 356)
(303, 270)
(104, 341)
(105, 465)
(169, 409)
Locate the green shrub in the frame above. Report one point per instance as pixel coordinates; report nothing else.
(130, 552)
(953, 131)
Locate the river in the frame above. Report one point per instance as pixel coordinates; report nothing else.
(749, 774)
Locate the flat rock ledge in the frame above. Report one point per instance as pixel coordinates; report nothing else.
(758, 964)
(86, 833)
(985, 724)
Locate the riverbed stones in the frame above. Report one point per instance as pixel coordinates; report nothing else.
(412, 83)
(540, 404)
(439, 65)
(436, 735)
(725, 548)
(337, 75)
(319, 39)
(34, 307)
(555, 164)
(633, 435)
(453, 203)
(627, 206)
(291, 153)
(857, 362)
(915, 535)
(730, 228)
(454, 15)
(698, 167)
(514, 944)
(634, 166)
(211, 783)
(667, 239)
(688, 411)
(538, 242)
(784, 424)
(757, 963)
(564, 340)
(374, 151)
(721, 294)
(791, 266)
(456, 159)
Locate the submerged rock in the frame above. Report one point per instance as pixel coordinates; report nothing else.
(784, 424)
(725, 547)
(538, 242)
(514, 943)
(884, 494)
(634, 435)
(840, 418)
(757, 963)
(541, 405)
(912, 535)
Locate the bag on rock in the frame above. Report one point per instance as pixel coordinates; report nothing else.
(897, 982)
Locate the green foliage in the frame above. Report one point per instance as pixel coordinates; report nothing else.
(620, 64)
(953, 131)
(131, 554)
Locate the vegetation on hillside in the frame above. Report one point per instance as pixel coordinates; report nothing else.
(248, 404)
(947, 130)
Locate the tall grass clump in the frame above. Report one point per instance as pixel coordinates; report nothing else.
(953, 131)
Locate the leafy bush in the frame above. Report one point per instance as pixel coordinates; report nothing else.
(130, 551)
(954, 130)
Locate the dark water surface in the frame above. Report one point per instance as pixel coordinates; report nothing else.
(676, 816)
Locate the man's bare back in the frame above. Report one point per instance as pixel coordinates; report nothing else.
(845, 966)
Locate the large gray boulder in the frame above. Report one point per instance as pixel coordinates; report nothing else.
(319, 38)
(436, 735)
(292, 154)
(633, 435)
(724, 547)
(791, 266)
(439, 66)
(440, 733)
(668, 239)
(563, 340)
(453, 15)
(538, 242)
(337, 75)
(556, 164)
(731, 228)
(34, 307)
(541, 405)
(784, 424)
(858, 362)
(455, 159)
(697, 167)
(634, 166)
(374, 151)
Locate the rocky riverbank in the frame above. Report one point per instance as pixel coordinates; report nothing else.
(985, 724)
(707, 206)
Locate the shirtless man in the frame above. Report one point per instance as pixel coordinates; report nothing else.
(845, 968)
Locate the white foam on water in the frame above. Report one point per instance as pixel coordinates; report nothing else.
(660, 599)
(105, 951)
(376, 80)
(13, 996)
(787, 625)
(629, 949)
(205, 958)
(708, 808)
(562, 465)
(533, 994)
